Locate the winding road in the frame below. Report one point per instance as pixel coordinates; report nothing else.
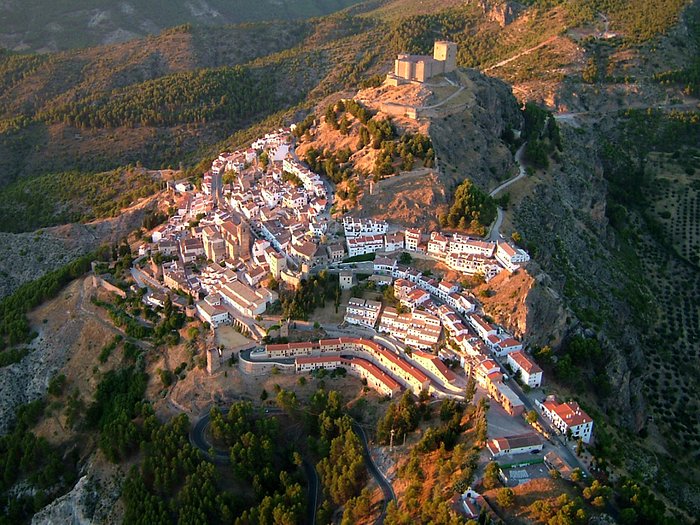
(494, 232)
(221, 457)
(522, 53)
(377, 474)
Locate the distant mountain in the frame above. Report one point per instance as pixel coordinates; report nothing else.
(43, 25)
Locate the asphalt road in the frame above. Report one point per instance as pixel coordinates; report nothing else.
(494, 233)
(221, 457)
(313, 489)
(383, 483)
(521, 173)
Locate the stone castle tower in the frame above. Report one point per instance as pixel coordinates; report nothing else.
(446, 52)
(420, 68)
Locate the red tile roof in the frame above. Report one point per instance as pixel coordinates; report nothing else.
(523, 362)
(570, 412)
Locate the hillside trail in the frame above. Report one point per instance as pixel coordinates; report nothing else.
(522, 53)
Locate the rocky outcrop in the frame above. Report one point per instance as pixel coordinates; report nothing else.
(75, 508)
(547, 315)
(92, 500)
(562, 219)
(500, 11)
(468, 141)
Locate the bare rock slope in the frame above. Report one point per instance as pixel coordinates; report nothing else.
(27, 256)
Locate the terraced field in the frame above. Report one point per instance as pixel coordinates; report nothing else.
(678, 205)
(672, 265)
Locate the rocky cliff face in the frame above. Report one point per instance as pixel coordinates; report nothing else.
(562, 221)
(465, 131)
(500, 11)
(93, 499)
(467, 137)
(464, 117)
(75, 508)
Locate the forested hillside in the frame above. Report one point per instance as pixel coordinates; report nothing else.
(165, 100)
(51, 26)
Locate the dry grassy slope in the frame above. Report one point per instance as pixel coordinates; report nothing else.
(64, 332)
(465, 127)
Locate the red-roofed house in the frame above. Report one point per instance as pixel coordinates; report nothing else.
(511, 258)
(569, 416)
(483, 329)
(514, 444)
(506, 346)
(412, 238)
(530, 373)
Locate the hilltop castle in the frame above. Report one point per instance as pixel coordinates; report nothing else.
(419, 68)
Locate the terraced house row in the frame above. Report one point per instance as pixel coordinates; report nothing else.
(325, 351)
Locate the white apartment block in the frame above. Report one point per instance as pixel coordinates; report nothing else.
(311, 181)
(460, 302)
(466, 245)
(412, 237)
(212, 314)
(364, 244)
(511, 258)
(384, 265)
(356, 227)
(472, 264)
(362, 312)
(393, 242)
(356, 366)
(246, 300)
(530, 373)
(568, 416)
(437, 246)
(483, 329)
(419, 330)
(505, 346)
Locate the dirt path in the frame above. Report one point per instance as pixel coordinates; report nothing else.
(453, 95)
(101, 320)
(522, 53)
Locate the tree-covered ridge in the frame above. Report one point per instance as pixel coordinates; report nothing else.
(481, 42)
(15, 68)
(117, 403)
(92, 22)
(74, 196)
(637, 20)
(231, 93)
(688, 78)
(542, 136)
